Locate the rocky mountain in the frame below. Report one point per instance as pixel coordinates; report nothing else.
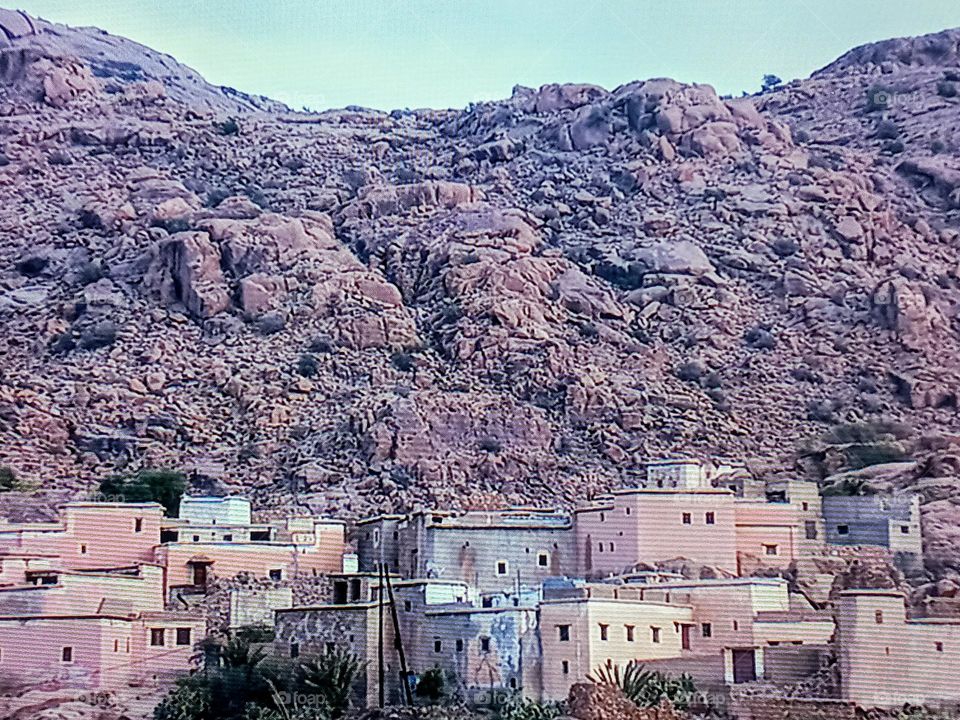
(517, 302)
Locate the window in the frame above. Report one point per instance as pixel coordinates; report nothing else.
(843, 529)
(564, 633)
(138, 525)
(603, 517)
(543, 559)
(565, 667)
(503, 567)
(736, 625)
(601, 547)
(905, 529)
(66, 654)
(127, 645)
(156, 637)
(513, 683)
(687, 518)
(654, 634)
(629, 629)
(810, 529)
(938, 646)
(771, 550)
(228, 537)
(627, 510)
(878, 617)
(294, 650)
(116, 646)
(437, 646)
(805, 506)
(83, 549)
(486, 602)
(196, 538)
(485, 644)
(407, 606)
(706, 630)
(459, 645)
(604, 631)
(710, 518)
(183, 636)
(276, 574)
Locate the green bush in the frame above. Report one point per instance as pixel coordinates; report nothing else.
(432, 685)
(331, 677)
(519, 708)
(8, 479)
(946, 89)
(646, 688)
(161, 486)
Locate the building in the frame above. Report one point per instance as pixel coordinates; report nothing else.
(887, 660)
(726, 622)
(890, 521)
(90, 535)
(491, 551)
(779, 527)
(91, 629)
(640, 525)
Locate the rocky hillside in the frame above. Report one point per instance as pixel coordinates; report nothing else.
(517, 302)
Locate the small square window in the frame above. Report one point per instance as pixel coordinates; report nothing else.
(654, 634)
(543, 560)
(771, 550)
(485, 644)
(905, 529)
(183, 636)
(437, 646)
(938, 646)
(604, 631)
(629, 629)
(294, 650)
(706, 630)
(83, 549)
(228, 537)
(805, 506)
(843, 529)
(196, 538)
(276, 574)
(687, 518)
(502, 567)
(564, 633)
(710, 518)
(157, 637)
(66, 654)
(878, 617)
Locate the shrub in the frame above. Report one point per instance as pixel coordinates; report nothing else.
(517, 707)
(403, 361)
(99, 335)
(331, 676)
(644, 687)
(189, 700)
(769, 82)
(321, 344)
(8, 479)
(861, 456)
(307, 365)
(887, 130)
(162, 486)
(946, 89)
(432, 685)
(491, 445)
(879, 97)
(848, 488)
(228, 127)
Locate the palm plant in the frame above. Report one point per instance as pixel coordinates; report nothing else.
(646, 688)
(331, 676)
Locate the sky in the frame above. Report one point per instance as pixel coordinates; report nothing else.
(391, 54)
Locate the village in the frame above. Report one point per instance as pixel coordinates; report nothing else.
(686, 573)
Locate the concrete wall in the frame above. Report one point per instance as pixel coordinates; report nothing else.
(205, 510)
(88, 594)
(648, 526)
(792, 663)
(887, 521)
(886, 660)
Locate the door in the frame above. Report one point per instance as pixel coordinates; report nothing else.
(685, 637)
(744, 666)
(200, 574)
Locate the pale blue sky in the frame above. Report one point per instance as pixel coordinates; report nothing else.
(432, 53)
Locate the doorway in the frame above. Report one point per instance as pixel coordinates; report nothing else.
(744, 666)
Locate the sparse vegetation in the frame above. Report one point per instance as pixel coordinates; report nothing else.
(162, 486)
(307, 365)
(770, 82)
(230, 126)
(946, 89)
(519, 708)
(8, 479)
(403, 361)
(879, 97)
(432, 685)
(646, 688)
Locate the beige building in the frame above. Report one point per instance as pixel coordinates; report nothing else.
(731, 620)
(887, 660)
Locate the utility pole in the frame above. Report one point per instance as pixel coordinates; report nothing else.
(398, 643)
(380, 668)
